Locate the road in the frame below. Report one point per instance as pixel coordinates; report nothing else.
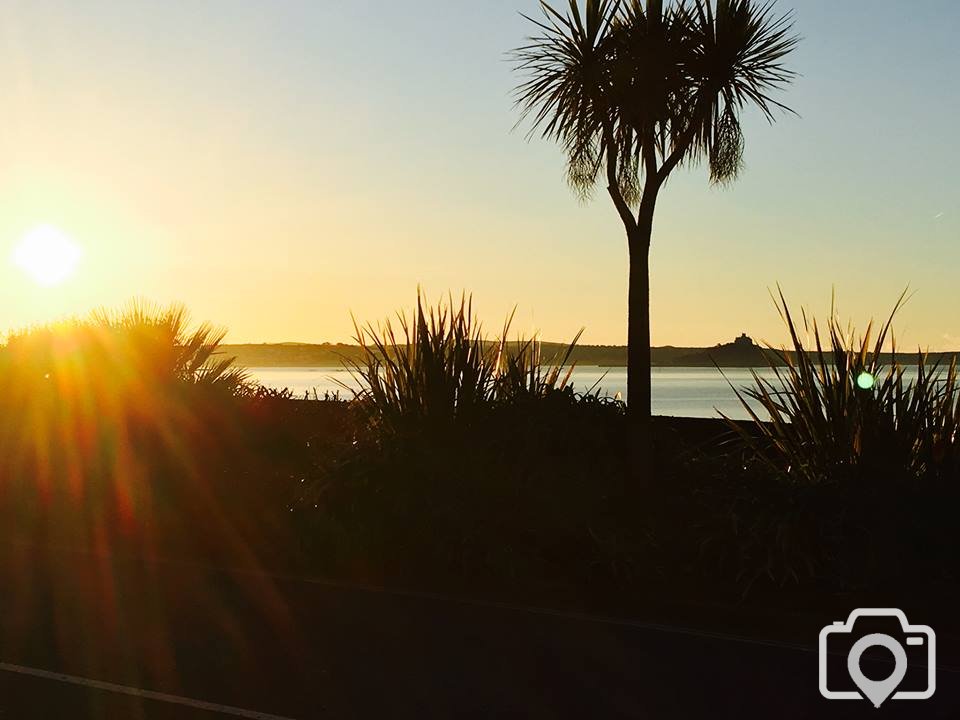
(260, 647)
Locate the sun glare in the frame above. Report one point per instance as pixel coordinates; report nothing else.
(48, 255)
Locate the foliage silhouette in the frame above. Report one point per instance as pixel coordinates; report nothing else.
(439, 368)
(471, 462)
(821, 426)
(109, 417)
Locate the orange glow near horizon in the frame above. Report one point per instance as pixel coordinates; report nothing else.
(218, 171)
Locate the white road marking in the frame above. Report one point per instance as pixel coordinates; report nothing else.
(140, 693)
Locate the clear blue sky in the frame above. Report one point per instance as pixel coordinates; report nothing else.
(275, 165)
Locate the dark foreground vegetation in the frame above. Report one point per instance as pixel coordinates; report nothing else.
(470, 465)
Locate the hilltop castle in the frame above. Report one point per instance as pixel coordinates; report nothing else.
(744, 342)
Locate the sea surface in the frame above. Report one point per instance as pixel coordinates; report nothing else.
(681, 391)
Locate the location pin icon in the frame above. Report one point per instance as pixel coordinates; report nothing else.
(876, 691)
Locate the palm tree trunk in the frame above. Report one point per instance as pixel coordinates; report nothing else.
(638, 341)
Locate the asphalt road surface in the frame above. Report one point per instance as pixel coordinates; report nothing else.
(92, 638)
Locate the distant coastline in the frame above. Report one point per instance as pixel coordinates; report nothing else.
(742, 352)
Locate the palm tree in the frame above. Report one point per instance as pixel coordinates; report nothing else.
(631, 90)
(160, 344)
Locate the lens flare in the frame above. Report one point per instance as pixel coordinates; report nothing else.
(865, 381)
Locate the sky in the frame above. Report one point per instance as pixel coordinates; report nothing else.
(277, 166)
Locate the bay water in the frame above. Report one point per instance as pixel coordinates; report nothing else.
(679, 391)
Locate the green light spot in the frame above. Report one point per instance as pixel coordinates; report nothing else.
(865, 380)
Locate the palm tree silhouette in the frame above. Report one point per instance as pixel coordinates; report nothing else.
(631, 90)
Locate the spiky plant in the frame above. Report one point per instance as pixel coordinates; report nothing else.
(524, 372)
(438, 368)
(834, 412)
(433, 369)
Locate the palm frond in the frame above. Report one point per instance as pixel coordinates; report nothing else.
(563, 95)
(649, 86)
(740, 49)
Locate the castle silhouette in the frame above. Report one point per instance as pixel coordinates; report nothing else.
(744, 342)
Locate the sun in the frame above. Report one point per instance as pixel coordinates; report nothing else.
(48, 255)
